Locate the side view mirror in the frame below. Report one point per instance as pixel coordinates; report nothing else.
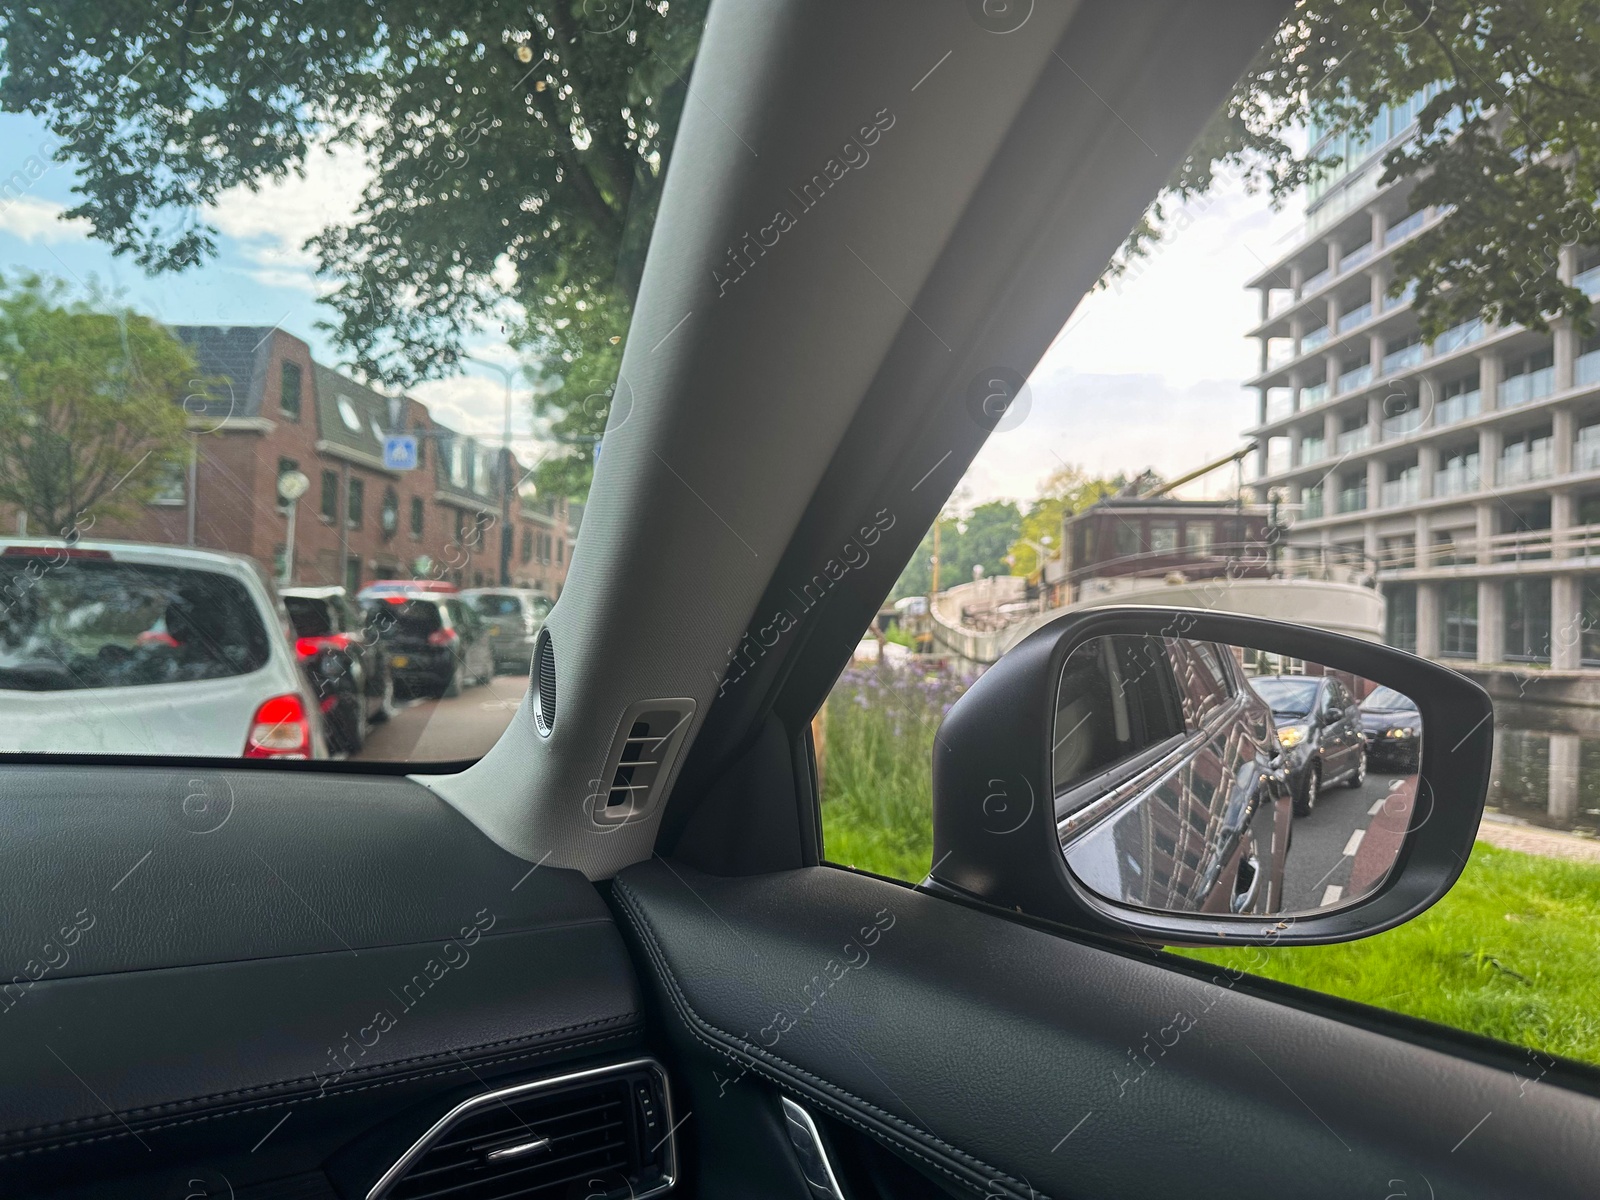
(1141, 773)
(1333, 715)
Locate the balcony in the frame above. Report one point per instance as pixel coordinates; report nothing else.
(1586, 368)
(1356, 257)
(1402, 424)
(1523, 462)
(1356, 377)
(1315, 394)
(1460, 407)
(1458, 336)
(1405, 228)
(1586, 449)
(1406, 296)
(1356, 316)
(1311, 450)
(1317, 337)
(1588, 282)
(1405, 490)
(1315, 282)
(1457, 481)
(1353, 499)
(1403, 359)
(1519, 389)
(1352, 440)
(1311, 504)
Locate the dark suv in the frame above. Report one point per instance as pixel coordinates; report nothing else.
(437, 644)
(345, 660)
(1320, 728)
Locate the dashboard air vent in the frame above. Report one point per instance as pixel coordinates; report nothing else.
(598, 1134)
(544, 662)
(642, 754)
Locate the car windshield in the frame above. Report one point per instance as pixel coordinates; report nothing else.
(310, 618)
(1293, 698)
(1386, 699)
(497, 606)
(84, 623)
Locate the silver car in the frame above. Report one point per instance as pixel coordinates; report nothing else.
(514, 617)
(122, 648)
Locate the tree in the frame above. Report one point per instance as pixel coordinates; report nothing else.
(1064, 491)
(517, 155)
(89, 414)
(982, 537)
(1508, 136)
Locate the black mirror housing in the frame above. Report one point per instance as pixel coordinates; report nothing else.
(995, 838)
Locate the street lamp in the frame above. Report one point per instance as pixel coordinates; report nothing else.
(506, 485)
(291, 486)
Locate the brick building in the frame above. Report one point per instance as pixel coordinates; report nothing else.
(267, 408)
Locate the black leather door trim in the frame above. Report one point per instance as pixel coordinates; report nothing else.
(959, 1166)
(1067, 1066)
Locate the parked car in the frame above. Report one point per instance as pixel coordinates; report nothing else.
(345, 660)
(437, 644)
(1392, 728)
(1320, 729)
(514, 616)
(1171, 725)
(122, 648)
(395, 587)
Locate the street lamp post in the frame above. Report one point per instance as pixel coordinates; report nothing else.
(291, 486)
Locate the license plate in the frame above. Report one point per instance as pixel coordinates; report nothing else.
(400, 660)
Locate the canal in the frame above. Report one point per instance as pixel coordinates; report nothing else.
(1547, 766)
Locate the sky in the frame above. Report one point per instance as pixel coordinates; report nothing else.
(1147, 373)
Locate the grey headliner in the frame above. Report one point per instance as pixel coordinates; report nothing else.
(732, 408)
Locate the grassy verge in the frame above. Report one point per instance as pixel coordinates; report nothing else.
(1512, 952)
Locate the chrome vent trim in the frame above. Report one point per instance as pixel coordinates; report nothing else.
(655, 1127)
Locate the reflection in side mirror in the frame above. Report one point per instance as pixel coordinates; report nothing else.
(1195, 777)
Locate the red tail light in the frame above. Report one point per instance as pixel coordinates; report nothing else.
(280, 729)
(310, 647)
(442, 637)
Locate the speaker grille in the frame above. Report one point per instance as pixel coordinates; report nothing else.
(544, 659)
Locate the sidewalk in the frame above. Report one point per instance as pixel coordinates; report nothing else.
(1511, 834)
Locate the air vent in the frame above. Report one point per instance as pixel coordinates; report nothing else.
(544, 660)
(597, 1134)
(641, 759)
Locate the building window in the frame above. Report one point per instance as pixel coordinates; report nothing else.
(352, 574)
(561, 547)
(416, 515)
(1163, 536)
(172, 484)
(1400, 616)
(1127, 539)
(527, 545)
(389, 518)
(1527, 607)
(330, 495)
(355, 503)
(1458, 618)
(1590, 622)
(289, 391)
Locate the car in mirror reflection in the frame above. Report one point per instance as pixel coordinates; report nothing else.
(1320, 730)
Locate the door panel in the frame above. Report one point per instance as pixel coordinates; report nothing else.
(1012, 1062)
(249, 969)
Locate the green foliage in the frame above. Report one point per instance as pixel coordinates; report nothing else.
(1510, 138)
(1065, 491)
(1509, 953)
(89, 419)
(981, 538)
(517, 154)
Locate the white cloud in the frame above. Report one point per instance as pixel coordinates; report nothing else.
(36, 220)
(476, 405)
(273, 223)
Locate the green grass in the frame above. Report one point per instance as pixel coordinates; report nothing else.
(1512, 952)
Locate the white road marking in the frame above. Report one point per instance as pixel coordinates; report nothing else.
(1332, 894)
(1354, 843)
(1377, 806)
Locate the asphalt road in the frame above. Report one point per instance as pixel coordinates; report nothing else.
(1327, 864)
(447, 730)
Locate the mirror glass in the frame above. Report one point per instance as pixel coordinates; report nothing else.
(1199, 777)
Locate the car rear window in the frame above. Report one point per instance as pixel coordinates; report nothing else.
(409, 619)
(310, 618)
(497, 606)
(80, 624)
